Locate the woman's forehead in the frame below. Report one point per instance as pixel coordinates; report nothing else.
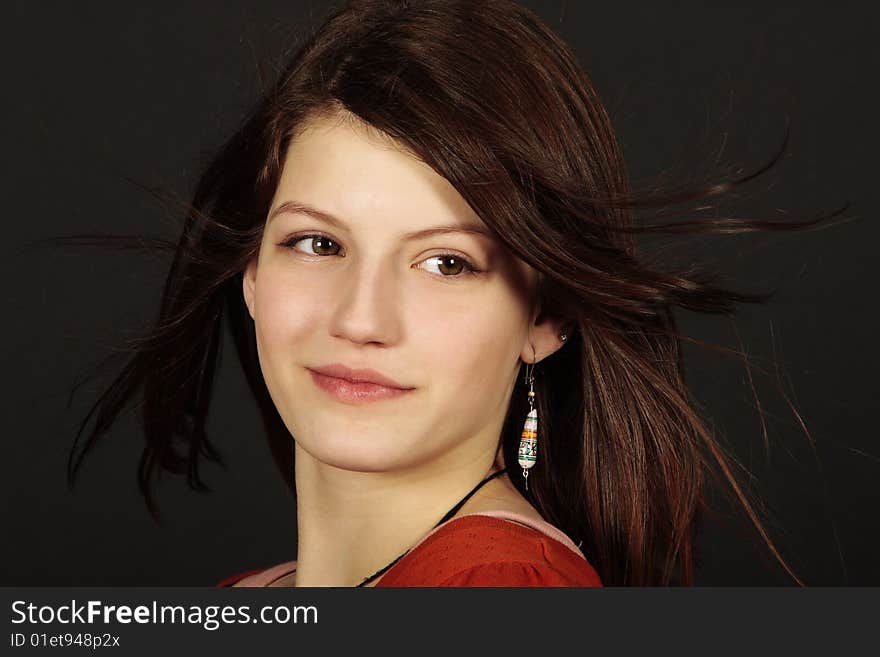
(349, 172)
(359, 175)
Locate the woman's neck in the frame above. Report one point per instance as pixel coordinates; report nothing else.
(351, 524)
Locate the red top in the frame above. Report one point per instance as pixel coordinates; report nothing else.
(485, 549)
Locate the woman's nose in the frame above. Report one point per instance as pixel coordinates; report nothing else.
(367, 304)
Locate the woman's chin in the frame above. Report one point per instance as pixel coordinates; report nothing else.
(362, 455)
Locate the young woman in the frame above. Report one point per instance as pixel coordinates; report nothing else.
(422, 240)
(372, 268)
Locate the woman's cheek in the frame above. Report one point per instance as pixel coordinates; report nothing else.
(286, 310)
(483, 345)
(496, 339)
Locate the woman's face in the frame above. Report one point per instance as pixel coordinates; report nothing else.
(362, 293)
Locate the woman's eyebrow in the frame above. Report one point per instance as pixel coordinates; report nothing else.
(293, 207)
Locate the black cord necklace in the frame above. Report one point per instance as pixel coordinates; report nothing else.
(448, 515)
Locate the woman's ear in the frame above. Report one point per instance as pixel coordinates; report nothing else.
(544, 334)
(249, 282)
(544, 337)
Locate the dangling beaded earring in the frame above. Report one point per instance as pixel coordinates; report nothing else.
(528, 444)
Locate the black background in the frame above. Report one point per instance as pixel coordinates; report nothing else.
(98, 91)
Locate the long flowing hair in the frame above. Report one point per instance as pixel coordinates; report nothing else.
(496, 103)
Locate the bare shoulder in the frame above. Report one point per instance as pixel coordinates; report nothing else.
(501, 497)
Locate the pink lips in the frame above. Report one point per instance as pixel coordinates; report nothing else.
(356, 385)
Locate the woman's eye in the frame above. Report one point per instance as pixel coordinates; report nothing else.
(320, 242)
(450, 265)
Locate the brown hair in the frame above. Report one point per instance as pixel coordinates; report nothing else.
(496, 103)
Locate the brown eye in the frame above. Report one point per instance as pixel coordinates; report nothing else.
(322, 245)
(450, 265)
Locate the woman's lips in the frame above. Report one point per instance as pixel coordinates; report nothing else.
(355, 393)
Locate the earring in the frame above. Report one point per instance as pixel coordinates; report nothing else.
(528, 444)
(563, 337)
